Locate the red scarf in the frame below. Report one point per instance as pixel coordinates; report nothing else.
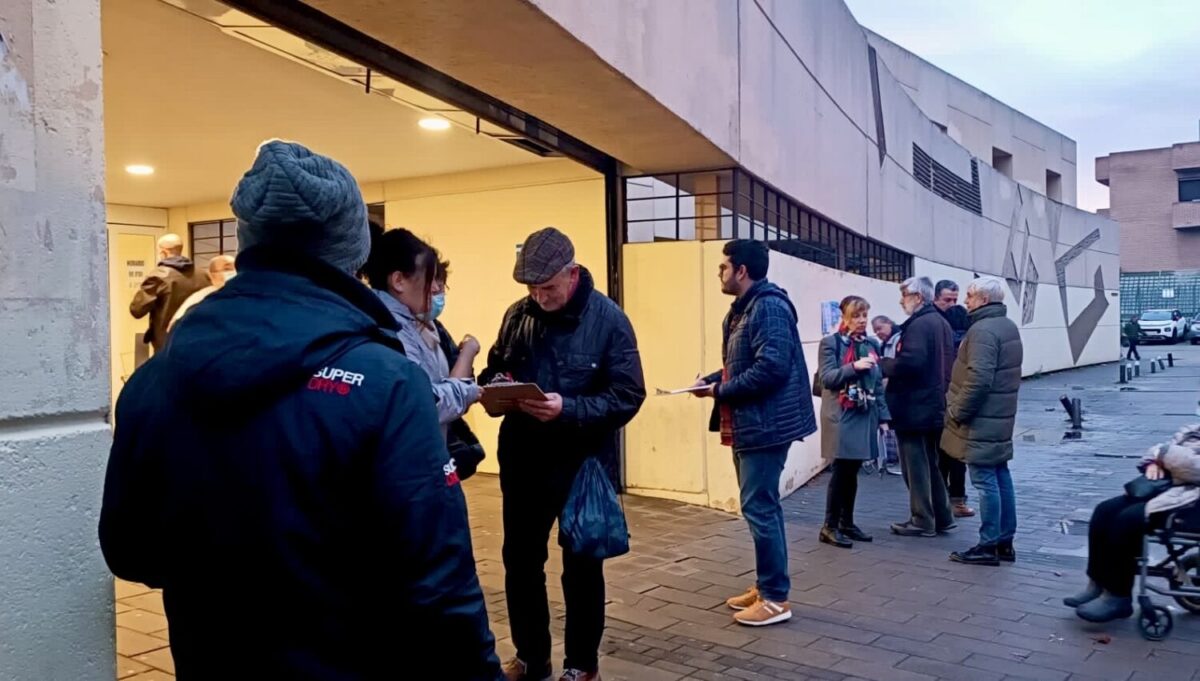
(857, 348)
(726, 413)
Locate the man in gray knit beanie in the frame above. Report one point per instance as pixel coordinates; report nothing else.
(304, 202)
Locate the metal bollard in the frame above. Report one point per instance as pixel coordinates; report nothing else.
(1076, 413)
(1162, 364)
(1137, 369)
(1171, 359)
(1153, 367)
(1121, 366)
(1066, 403)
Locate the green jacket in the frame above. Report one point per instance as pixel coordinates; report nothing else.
(981, 406)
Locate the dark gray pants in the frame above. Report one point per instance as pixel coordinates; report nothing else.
(927, 495)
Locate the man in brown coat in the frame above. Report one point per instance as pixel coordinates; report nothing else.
(165, 289)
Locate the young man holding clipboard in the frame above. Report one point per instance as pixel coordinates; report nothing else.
(578, 348)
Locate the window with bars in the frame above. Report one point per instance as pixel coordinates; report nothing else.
(213, 238)
(734, 204)
(1141, 291)
(945, 183)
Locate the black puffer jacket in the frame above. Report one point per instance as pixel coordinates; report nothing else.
(768, 386)
(585, 352)
(981, 408)
(920, 373)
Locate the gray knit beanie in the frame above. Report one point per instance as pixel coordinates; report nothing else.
(305, 202)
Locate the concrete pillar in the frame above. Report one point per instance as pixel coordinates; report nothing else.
(56, 617)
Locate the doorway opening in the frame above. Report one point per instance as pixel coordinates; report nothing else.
(192, 87)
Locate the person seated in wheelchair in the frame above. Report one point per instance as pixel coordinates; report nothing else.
(1171, 473)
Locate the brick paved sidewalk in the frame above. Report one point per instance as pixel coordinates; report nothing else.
(893, 610)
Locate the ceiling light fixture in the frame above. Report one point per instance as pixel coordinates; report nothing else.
(434, 124)
(138, 169)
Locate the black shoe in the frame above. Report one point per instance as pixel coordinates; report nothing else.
(947, 528)
(1106, 608)
(516, 670)
(854, 534)
(1006, 553)
(907, 529)
(835, 538)
(976, 555)
(1090, 593)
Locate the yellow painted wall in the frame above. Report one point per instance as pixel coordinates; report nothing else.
(477, 219)
(675, 303)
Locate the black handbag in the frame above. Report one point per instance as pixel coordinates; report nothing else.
(464, 448)
(1142, 488)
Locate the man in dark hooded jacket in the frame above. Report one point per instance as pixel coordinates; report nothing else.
(283, 446)
(165, 289)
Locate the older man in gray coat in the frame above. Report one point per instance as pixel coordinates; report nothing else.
(981, 408)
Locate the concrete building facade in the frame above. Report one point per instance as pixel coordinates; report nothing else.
(1155, 196)
(861, 163)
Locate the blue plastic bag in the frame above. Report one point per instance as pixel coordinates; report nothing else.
(592, 523)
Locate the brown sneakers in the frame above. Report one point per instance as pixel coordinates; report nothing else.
(763, 613)
(516, 670)
(745, 600)
(960, 509)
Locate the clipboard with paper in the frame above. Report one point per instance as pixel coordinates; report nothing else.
(502, 398)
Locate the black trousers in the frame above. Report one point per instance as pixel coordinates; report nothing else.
(1115, 543)
(535, 490)
(1133, 351)
(841, 493)
(954, 472)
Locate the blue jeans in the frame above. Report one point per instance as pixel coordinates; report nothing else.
(997, 503)
(758, 474)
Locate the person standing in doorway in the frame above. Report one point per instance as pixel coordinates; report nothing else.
(165, 289)
(579, 347)
(853, 413)
(954, 473)
(221, 269)
(1133, 333)
(917, 381)
(981, 410)
(763, 404)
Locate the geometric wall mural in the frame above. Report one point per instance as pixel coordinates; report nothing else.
(1024, 282)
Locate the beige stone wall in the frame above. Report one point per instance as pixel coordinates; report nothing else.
(56, 621)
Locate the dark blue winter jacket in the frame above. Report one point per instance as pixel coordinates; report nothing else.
(279, 472)
(768, 386)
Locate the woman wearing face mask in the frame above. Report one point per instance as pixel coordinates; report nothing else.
(402, 270)
(853, 412)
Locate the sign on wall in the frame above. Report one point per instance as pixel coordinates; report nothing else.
(831, 317)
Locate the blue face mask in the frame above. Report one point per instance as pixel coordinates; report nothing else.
(437, 306)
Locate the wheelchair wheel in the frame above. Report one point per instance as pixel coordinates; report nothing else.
(1188, 576)
(1155, 623)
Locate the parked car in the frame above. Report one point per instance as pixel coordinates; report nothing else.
(1195, 329)
(1168, 326)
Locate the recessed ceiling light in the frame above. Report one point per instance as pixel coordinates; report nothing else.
(138, 169)
(434, 124)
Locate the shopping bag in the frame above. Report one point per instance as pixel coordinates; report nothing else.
(592, 523)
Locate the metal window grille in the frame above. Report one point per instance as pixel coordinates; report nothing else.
(1141, 291)
(945, 183)
(731, 203)
(212, 238)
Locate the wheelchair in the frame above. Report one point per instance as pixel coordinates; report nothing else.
(1179, 534)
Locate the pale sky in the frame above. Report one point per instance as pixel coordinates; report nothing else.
(1113, 75)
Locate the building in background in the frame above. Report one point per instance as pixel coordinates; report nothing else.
(650, 135)
(1155, 196)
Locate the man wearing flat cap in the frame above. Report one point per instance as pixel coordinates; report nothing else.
(579, 347)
